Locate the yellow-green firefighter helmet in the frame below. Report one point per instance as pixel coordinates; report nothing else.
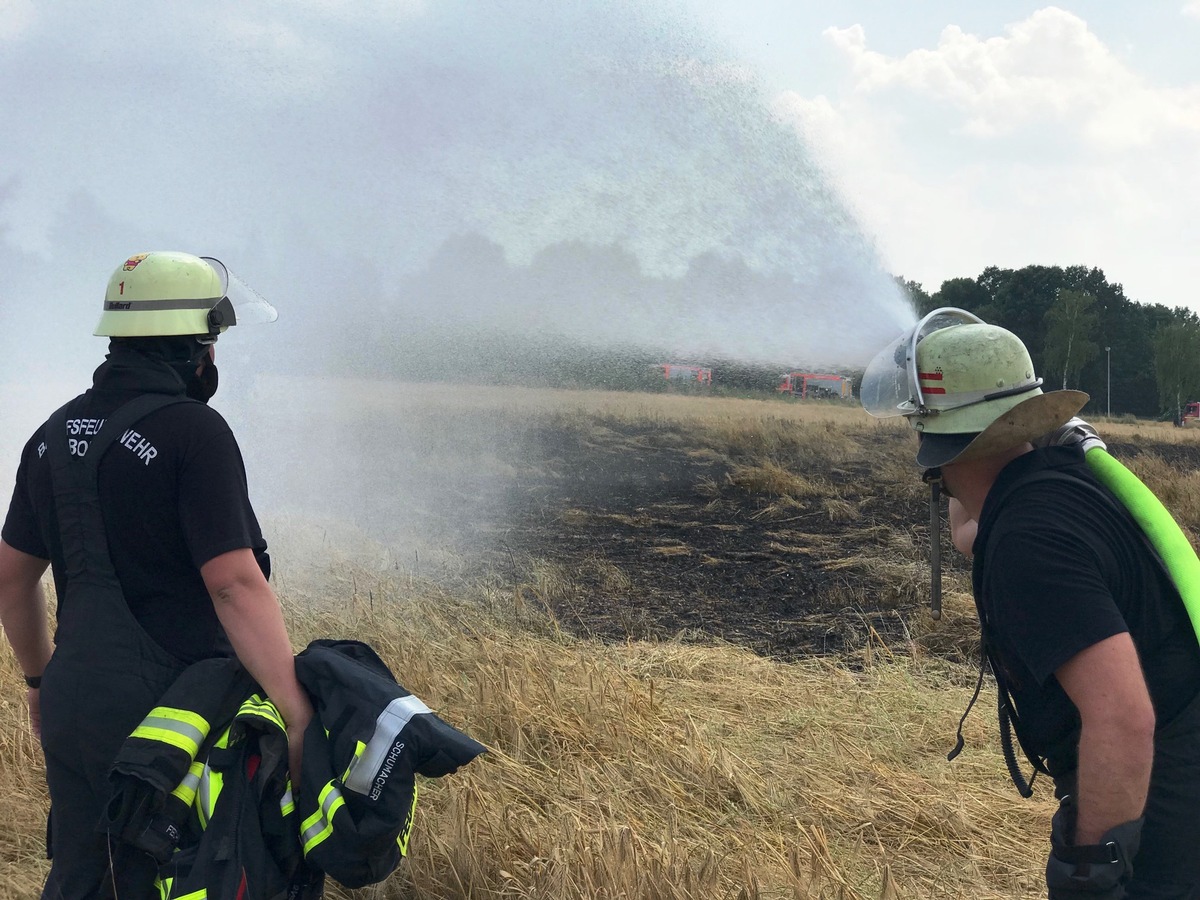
(970, 375)
(168, 293)
(967, 387)
(162, 293)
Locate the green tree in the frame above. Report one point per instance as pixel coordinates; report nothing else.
(1070, 328)
(962, 293)
(1020, 301)
(1177, 363)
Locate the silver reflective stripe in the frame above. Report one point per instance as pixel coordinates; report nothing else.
(204, 798)
(143, 305)
(362, 772)
(178, 728)
(186, 790)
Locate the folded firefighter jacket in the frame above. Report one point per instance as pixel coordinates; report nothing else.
(202, 783)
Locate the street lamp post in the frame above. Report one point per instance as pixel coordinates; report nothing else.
(1108, 388)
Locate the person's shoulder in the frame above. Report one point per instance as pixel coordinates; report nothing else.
(188, 420)
(1060, 510)
(1045, 475)
(193, 411)
(1039, 492)
(35, 447)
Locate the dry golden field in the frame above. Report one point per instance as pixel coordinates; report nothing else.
(691, 631)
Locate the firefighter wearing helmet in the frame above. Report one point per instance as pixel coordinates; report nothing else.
(1087, 629)
(135, 493)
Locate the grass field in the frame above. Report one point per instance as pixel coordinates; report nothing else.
(691, 631)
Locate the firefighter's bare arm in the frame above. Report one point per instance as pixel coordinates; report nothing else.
(251, 617)
(23, 615)
(962, 528)
(1116, 745)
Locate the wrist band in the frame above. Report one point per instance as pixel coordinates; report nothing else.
(34, 681)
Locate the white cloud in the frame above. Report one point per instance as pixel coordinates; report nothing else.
(1047, 69)
(1191, 8)
(1037, 145)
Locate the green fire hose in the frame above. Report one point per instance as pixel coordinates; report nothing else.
(1157, 523)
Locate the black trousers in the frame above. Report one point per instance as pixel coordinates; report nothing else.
(85, 718)
(86, 865)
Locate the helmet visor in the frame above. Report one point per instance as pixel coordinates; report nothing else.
(890, 386)
(248, 305)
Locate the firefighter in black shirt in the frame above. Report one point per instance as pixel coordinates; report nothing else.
(135, 493)
(1094, 653)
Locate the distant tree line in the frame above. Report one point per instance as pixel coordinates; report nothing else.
(1084, 333)
(579, 315)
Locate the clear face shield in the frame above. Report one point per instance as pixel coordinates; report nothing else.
(890, 386)
(240, 304)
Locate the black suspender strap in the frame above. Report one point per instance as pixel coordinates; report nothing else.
(76, 497)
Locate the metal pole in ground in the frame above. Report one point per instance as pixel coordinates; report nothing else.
(1108, 389)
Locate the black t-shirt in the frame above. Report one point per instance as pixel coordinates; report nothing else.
(173, 495)
(1064, 569)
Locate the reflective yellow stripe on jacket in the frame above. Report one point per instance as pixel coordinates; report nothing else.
(186, 789)
(402, 840)
(209, 782)
(319, 825)
(255, 705)
(178, 727)
(164, 886)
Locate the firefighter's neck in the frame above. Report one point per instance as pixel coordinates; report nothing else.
(970, 481)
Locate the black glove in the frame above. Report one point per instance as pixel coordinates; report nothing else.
(1098, 870)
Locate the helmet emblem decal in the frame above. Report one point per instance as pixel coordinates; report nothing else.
(132, 262)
